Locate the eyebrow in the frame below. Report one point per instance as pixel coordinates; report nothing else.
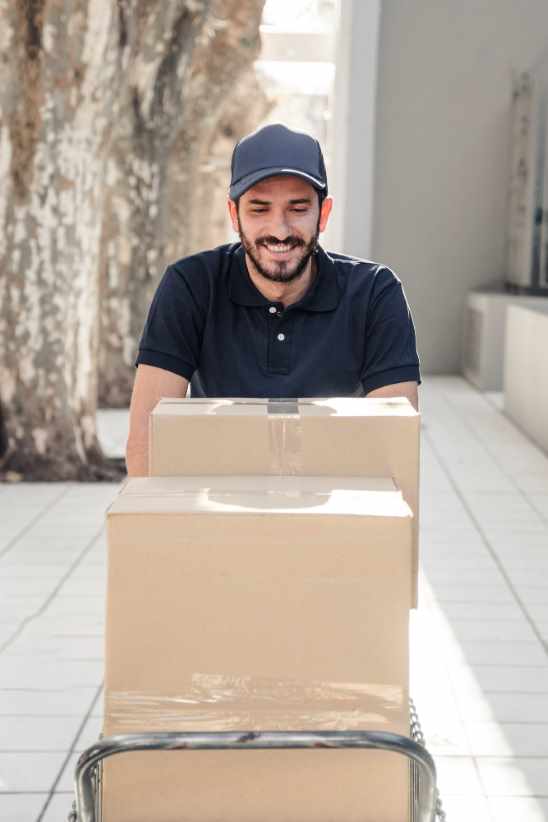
(303, 200)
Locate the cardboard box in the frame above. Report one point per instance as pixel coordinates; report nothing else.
(372, 437)
(256, 603)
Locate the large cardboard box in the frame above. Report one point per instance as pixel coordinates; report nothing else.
(257, 603)
(354, 436)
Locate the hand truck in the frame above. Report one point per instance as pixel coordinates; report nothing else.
(425, 803)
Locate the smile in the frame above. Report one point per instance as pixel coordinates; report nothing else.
(279, 249)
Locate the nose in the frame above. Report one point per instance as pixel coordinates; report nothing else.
(279, 225)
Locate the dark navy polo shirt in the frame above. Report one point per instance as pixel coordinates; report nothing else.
(350, 333)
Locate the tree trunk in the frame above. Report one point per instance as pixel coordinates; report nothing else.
(156, 174)
(209, 223)
(70, 70)
(59, 81)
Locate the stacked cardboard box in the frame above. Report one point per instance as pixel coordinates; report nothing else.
(364, 437)
(249, 602)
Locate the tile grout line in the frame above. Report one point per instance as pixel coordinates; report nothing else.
(27, 620)
(530, 440)
(488, 546)
(57, 779)
(493, 456)
(26, 528)
(452, 689)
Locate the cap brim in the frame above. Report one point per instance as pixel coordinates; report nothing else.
(241, 186)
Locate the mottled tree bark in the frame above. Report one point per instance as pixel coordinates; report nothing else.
(208, 221)
(159, 168)
(160, 40)
(81, 81)
(106, 112)
(59, 80)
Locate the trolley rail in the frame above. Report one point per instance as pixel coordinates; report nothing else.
(425, 801)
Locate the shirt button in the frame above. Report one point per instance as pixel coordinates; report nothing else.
(273, 309)
(281, 337)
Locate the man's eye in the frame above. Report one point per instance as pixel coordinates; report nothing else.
(258, 210)
(300, 210)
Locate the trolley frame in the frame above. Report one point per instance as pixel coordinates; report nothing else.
(425, 804)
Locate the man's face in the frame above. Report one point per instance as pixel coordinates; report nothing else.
(279, 221)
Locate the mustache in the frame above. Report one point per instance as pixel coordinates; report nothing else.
(294, 242)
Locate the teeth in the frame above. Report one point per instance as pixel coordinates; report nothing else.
(279, 249)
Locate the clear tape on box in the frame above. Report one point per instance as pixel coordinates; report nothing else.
(222, 702)
(285, 436)
(284, 427)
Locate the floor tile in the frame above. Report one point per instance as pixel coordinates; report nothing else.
(38, 733)
(18, 569)
(465, 809)
(63, 701)
(90, 733)
(517, 809)
(501, 678)
(500, 652)
(447, 739)
(503, 707)
(514, 776)
(70, 605)
(457, 776)
(490, 594)
(24, 772)
(67, 777)
(21, 608)
(534, 576)
(84, 648)
(540, 502)
(479, 675)
(507, 739)
(531, 595)
(19, 587)
(82, 625)
(542, 628)
(488, 611)
(502, 630)
(21, 807)
(18, 673)
(538, 611)
(58, 807)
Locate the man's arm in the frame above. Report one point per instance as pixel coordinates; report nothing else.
(399, 389)
(151, 384)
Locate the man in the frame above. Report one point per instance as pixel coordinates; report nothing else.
(274, 315)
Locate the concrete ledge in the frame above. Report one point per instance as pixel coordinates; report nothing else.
(484, 335)
(526, 370)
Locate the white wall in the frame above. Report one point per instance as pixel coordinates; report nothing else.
(352, 128)
(442, 152)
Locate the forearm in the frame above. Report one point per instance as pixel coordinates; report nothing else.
(137, 459)
(151, 384)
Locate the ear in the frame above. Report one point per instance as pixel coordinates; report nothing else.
(233, 213)
(325, 211)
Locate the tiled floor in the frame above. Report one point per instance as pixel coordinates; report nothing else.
(479, 639)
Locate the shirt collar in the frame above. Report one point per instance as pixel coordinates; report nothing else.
(323, 295)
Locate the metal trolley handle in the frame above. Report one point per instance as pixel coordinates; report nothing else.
(253, 740)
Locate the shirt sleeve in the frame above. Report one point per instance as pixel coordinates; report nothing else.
(390, 344)
(172, 336)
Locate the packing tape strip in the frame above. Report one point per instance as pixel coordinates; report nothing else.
(285, 437)
(228, 702)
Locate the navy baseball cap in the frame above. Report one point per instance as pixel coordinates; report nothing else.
(275, 150)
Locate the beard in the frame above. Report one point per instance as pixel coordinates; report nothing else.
(279, 271)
